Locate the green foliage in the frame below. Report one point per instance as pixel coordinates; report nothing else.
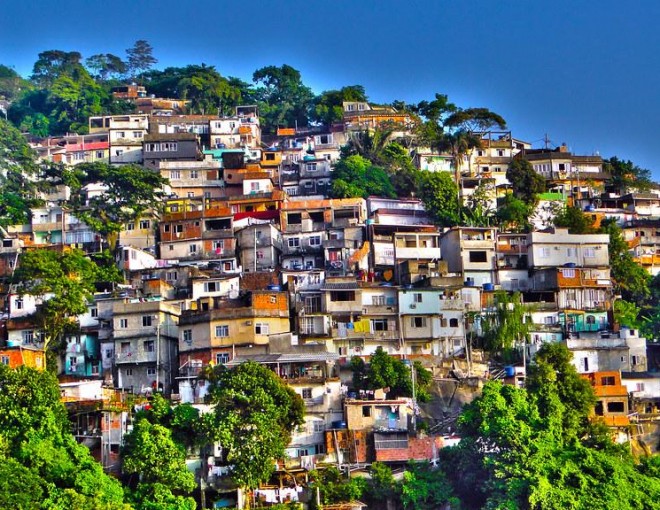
(630, 279)
(48, 468)
(254, 414)
(506, 324)
(208, 92)
(478, 211)
(334, 488)
(439, 193)
(328, 106)
(139, 58)
(626, 177)
(131, 190)
(627, 314)
(67, 279)
(11, 83)
(106, 65)
(525, 182)
(385, 371)
(355, 176)
(282, 97)
(424, 488)
(513, 215)
(574, 219)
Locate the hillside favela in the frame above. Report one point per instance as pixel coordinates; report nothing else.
(229, 293)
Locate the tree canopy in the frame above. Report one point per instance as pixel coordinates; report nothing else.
(439, 193)
(525, 181)
(254, 414)
(356, 176)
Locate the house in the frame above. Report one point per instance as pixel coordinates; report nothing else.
(191, 178)
(607, 351)
(470, 251)
(145, 335)
(612, 398)
(259, 247)
(171, 147)
(125, 136)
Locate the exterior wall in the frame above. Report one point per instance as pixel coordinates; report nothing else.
(15, 358)
(552, 250)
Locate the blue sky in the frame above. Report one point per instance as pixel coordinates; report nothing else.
(587, 73)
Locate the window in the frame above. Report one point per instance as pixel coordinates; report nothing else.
(178, 228)
(19, 303)
(211, 286)
(379, 324)
(571, 252)
(319, 426)
(500, 153)
(378, 300)
(121, 134)
(219, 245)
(171, 276)
(607, 381)
(293, 242)
(175, 174)
(145, 224)
(568, 273)
(28, 337)
(616, 407)
(315, 241)
(194, 174)
(166, 228)
(478, 256)
(4, 360)
(417, 297)
(340, 295)
(187, 335)
(94, 312)
(146, 321)
(123, 323)
(222, 331)
(99, 154)
(418, 322)
(192, 248)
(589, 253)
(221, 358)
(261, 328)
(366, 411)
(310, 167)
(307, 393)
(453, 323)
(544, 253)
(640, 386)
(129, 371)
(635, 360)
(151, 371)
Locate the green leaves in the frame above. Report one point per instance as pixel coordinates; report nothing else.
(525, 181)
(439, 193)
(355, 176)
(254, 415)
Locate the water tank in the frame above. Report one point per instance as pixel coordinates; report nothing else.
(339, 424)
(489, 287)
(274, 287)
(510, 371)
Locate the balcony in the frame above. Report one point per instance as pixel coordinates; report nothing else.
(47, 227)
(218, 233)
(392, 424)
(379, 309)
(303, 249)
(135, 356)
(337, 243)
(375, 335)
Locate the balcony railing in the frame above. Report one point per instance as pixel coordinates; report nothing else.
(392, 424)
(135, 356)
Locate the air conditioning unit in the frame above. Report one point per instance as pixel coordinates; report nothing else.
(248, 323)
(413, 306)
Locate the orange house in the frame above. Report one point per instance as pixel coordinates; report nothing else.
(612, 398)
(15, 357)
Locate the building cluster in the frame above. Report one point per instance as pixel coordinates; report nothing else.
(250, 260)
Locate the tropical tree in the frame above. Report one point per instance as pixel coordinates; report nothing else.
(11, 83)
(328, 106)
(507, 324)
(525, 181)
(163, 480)
(574, 219)
(208, 92)
(438, 191)
(140, 58)
(626, 176)
(129, 191)
(49, 469)
(282, 97)
(356, 176)
(106, 65)
(513, 214)
(66, 281)
(254, 414)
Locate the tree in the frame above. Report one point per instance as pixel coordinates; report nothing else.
(625, 176)
(105, 65)
(424, 488)
(385, 371)
(525, 182)
(438, 191)
(139, 58)
(208, 92)
(478, 211)
(355, 176)
(513, 215)
(506, 325)
(55, 472)
(254, 414)
(334, 488)
(11, 83)
(52, 64)
(65, 280)
(329, 105)
(574, 219)
(151, 453)
(630, 279)
(130, 191)
(282, 97)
